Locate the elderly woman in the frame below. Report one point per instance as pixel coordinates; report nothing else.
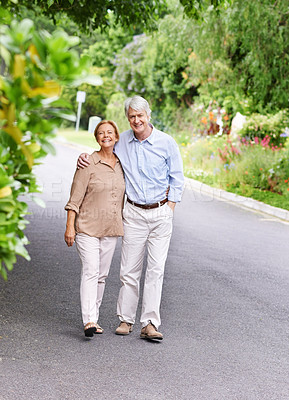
(94, 221)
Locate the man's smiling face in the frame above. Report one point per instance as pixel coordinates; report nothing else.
(139, 121)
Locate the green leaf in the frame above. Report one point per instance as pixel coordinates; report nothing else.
(39, 42)
(3, 272)
(38, 201)
(59, 114)
(22, 31)
(3, 241)
(47, 146)
(4, 180)
(5, 16)
(7, 205)
(93, 80)
(5, 54)
(55, 102)
(9, 260)
(20, 249)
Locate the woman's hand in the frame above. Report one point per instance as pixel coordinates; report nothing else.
(69, 235)
(83, 160)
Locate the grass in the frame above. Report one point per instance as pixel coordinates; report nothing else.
(255, 172)
(265, 196)
(81, 137)
(273, 199)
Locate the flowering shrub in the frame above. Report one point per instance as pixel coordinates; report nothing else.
(229, 152)
(265, 142)
(211, 121)
(274, 126)
(258, 164)
(241, 166)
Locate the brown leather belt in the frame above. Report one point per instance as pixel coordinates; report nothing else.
(148, 206)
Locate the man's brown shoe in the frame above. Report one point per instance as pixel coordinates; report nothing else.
(151, 333)
(124, 328)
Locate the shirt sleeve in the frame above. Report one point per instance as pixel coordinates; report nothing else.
(176, 176)
(78, 189)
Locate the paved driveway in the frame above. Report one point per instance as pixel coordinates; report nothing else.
(225, 310)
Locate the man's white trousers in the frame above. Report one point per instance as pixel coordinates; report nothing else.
(143, 229)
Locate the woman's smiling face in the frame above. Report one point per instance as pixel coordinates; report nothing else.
(106, 136)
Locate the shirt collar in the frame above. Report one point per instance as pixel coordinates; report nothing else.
(150, 138)
(96, 158)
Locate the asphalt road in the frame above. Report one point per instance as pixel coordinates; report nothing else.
(225, 310)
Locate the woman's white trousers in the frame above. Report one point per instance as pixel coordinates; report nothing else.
(96, 255)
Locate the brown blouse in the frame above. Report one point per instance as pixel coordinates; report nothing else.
(97, 194)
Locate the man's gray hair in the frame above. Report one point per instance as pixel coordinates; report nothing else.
(137, 103)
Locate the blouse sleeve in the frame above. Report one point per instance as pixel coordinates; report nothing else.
(78, 189)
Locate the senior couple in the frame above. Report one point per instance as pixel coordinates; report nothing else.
(97, 214)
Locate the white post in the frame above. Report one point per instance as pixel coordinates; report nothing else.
(78, 116)
(80, 98)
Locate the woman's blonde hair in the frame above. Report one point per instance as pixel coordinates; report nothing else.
(112, 123)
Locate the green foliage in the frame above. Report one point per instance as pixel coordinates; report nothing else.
(272, 126)
(153, 67)
(238, 57)
(270, 198)
(96, 99)
(107, 44)
(34, 65)
(115, 111)
(210, 120)
(233, 58)
(90, 14)
(257, 44)
(244, 61)
(241, 167)
(64, 23)
(194, 9)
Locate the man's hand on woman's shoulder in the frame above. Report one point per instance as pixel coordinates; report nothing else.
(83, 160)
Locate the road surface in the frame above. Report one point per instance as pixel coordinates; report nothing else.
(224, 311)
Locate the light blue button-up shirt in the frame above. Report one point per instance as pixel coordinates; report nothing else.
(150, 166)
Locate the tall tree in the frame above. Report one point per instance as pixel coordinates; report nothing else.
(241, 55)
(90, 14)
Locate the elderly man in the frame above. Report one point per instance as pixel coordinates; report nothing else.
(154, 183)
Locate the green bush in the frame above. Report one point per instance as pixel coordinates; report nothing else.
(35, 65)
(239, 166)
(272, 126)
(96, 99)
(115, 111)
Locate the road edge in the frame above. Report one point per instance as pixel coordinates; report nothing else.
(241, 201)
